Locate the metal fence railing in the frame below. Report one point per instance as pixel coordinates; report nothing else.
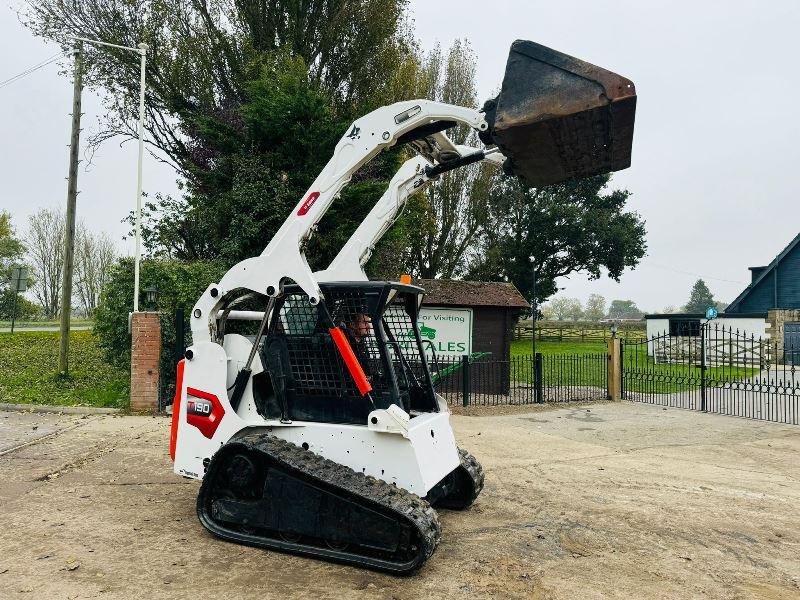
(476, 379)
(485, 380)
(715, 368)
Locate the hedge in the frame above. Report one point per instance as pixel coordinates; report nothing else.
(179, 285)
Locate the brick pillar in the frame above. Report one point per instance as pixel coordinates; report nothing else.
(145, 354)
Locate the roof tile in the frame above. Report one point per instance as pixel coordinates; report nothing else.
(453, 292)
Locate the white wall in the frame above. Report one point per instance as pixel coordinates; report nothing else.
(749, 326)
(657, 327)
(746, 326)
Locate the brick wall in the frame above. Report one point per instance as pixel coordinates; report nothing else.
(776, 319)
(145, 352)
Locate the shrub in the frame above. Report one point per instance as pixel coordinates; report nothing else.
(25, 310)
(179, 285)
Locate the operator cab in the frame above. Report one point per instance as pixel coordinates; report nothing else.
(306, 377)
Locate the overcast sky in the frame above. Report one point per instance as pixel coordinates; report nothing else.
(715, 156)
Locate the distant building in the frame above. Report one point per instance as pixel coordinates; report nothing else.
(460, 318)
(768, 307)
(494, 308)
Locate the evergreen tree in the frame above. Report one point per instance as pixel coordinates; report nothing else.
(700, 298)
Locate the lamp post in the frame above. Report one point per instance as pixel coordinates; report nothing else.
(534, 307)
(534, 374)
(141, 50)
(151, 297)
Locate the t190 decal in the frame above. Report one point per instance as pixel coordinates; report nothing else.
(204, 411)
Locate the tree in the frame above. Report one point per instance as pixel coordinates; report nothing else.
(700, 298)
(624, 309)
(45, 242)
(578, 226)
(94, 256)
(669, 309)
(11, 248)
(546, 309)
(453, 210)
(566, 309)
(11, 253)
(595, 308)
(247, 101)
(203, 53)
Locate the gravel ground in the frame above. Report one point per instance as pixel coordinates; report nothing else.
(614, 500)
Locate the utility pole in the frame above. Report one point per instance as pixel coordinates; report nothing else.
(72, 194)
(141, 50)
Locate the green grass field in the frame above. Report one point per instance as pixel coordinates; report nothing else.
(643, 374)
(28, 365)
(564, 363)
(523, 348)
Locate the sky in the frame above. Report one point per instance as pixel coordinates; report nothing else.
(715, 153)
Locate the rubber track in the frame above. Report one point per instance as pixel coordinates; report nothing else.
(475, 471)
(408, 507)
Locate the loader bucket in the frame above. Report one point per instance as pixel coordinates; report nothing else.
(558, 118)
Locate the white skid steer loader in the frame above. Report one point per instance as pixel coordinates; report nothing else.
(323, 435)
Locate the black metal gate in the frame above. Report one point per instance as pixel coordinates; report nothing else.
(716, 369)
(483, 380)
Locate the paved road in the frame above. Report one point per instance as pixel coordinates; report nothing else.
(772, 396)
(47, 328)
(18, 428)
(615, 500)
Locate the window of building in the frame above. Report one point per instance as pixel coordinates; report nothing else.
(684, 327)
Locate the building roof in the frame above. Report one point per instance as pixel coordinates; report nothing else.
(452, 292)
(722, 315)
(764, 274)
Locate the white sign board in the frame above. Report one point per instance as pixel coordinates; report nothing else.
(449, 330)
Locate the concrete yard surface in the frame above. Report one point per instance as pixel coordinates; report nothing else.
(596, 501)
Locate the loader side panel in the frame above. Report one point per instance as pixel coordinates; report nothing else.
(205, 418)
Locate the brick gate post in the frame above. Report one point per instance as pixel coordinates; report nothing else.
(145, 355)
(614, 369)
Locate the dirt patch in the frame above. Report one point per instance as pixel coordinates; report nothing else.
(609, 500)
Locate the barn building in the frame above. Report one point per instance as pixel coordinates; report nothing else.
(474, 318)
(768, 307)
(496, 307)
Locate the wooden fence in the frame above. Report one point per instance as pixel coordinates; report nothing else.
(579, 332)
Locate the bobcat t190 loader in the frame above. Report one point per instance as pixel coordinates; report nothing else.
(323, 434)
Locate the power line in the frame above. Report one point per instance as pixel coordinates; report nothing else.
(650, 264)
(30, 70)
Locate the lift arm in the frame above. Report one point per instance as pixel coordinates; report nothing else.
(419, 122)
(413, 177)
